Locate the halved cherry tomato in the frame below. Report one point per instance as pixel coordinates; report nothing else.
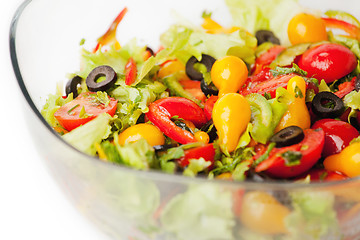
(69, 116)
(207, 152)
(329, 61)
(310, 149)
(338, 135)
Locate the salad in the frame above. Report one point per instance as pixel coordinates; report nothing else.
(259, 100)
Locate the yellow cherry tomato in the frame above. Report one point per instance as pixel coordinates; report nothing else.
(231, 115)
(229, 74)
(262, 213)
(297, 113)
(347, 161)
(143, 130)
(306, 28)
(173, 67)
(201, 136)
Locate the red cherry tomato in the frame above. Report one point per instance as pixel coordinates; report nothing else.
(329, 61)
(338, 135)
(325, 175)
(310, 148)
(209, 105)
(69, 116)
(207, 152)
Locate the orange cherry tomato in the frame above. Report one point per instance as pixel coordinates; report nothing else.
(306, 28)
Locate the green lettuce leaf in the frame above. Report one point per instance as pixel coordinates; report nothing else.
(313, 216)
(195, 166)
(264, 15)
(182, 42)
(203, 212)
(86, 136)
(53, 103)
(352, 100)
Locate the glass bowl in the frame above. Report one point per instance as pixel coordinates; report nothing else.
(130, 204)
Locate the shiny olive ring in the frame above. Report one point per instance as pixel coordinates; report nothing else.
(327, 105)
(288, 136)
(71, 86)
(208, 90)
(101, 71)
(266, 36)
(192, 73)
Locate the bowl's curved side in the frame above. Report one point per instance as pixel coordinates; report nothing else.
(127, 203)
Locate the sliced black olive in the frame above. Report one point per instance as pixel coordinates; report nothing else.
(72, 86)
(357, 83)
(266, 36)
(192, 73)
(159, 148)
(211, 132)
(208, 90)
(183, 126)
(327, 105)
(288, 136)
(150, 51)
(101, 71)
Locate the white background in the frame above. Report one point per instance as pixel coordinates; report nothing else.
(31, 204)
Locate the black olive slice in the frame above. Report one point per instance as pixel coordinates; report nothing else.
(192, 73)
(327, 105)
(101, 71)
(266, 36)
(212, 133)
(150, 51)
(71, 86)
(288, 136)
(208, 90)
(159, 148)
(357, 83)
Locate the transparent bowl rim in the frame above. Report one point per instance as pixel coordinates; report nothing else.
(151, 174)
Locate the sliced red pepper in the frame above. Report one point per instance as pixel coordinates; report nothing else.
(110, 35)
(130, 72)
(345, 88)
(351, 29)
(162, 110)
(207, 152)
(209, 105)
(268, 86)
(310, 148)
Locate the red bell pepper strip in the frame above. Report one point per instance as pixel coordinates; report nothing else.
(130, 72)
(162, 110)
(110, 35)
(345, 88)
(207, 152)
(351, 29)
(267, 58)
(209, 105)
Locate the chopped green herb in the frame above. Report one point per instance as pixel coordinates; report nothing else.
(265, 155)
(72, 109)
(206, 14)
(298, 92)
(285, 70)
(292, 158)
